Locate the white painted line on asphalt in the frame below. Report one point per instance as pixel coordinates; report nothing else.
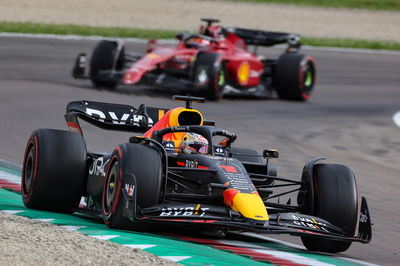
(10, 177)
(80, 38)
(288, 244)
(11, 212)
(139, 246)
(303, 260)
(172, 41)
(44, 220)
(175, 258)
(357, 261)
(396, 118)
(104, 237)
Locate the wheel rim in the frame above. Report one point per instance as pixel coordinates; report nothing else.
(111, 188)
(202, 76)
(29, 169)
(221, 78)
(308, 80)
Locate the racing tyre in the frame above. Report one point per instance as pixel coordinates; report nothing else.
(131, 161)
(209, 75)
(294, 76)
(54, 170)
(106, 56)
(335, 200)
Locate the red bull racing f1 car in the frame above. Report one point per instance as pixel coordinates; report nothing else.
(213, 63)
(176, 173)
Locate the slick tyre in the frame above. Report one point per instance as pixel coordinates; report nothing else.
(294, 76)
(142, 162)
(106, 56)
(54, 170)
(208, 75)
(335, 200)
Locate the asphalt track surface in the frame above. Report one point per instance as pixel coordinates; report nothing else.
(348, 120)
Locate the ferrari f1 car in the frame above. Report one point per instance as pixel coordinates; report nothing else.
(153, 180)
(213, 63)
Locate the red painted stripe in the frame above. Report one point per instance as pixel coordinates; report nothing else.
(229, 168)
(202, 167)
(9, 185)
(242, 251)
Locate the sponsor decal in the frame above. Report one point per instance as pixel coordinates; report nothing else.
(191, 164)
(125, 118)
(183, 211)
(219, 151)
(363, 218)
(307, 222)
(97, 168)
(229, 168)
(129, 189)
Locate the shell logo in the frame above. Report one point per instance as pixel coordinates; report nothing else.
(243, 73)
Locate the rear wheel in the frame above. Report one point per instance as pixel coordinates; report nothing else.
(335, 200)
(54, 170)
(107, 56)
(208, 75)
(144, 163)
(294, 76)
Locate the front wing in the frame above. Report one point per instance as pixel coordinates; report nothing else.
(284, 223)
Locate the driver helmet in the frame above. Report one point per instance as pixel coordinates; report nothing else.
(198, 42)
(194, 143)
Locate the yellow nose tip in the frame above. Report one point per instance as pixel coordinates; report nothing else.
(250, 206)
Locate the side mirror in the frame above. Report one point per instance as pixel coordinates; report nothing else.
(270, 153)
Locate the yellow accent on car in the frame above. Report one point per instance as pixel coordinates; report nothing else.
(250, 206)
(243, 73)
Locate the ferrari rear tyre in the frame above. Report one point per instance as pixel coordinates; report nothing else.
(208, 75)
(294, 76)
(142, 162)
(335, 200)
(106, 56)
(54, 170)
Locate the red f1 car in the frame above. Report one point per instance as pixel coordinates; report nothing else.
(213, 63)
(184, 171)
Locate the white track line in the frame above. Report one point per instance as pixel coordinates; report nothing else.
(396, 118)
(288, 244)
(172, 41)
(137, 246)
(104, 237)
(175, 258)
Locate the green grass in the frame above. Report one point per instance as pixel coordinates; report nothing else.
(68, 29)
(393, 5)
(164, 34)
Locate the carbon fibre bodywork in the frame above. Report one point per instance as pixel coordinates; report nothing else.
(219, 190)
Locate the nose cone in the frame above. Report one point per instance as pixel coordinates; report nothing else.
(250, 205)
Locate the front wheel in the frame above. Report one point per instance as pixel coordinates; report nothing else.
(294, 76)
(208, 75)
(106, 59)
(144, 164)
(335, 200)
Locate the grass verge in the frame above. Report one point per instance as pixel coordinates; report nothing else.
(389, 5)
(168, 34)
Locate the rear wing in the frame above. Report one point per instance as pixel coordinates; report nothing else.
(265, 38)
(112, 116)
